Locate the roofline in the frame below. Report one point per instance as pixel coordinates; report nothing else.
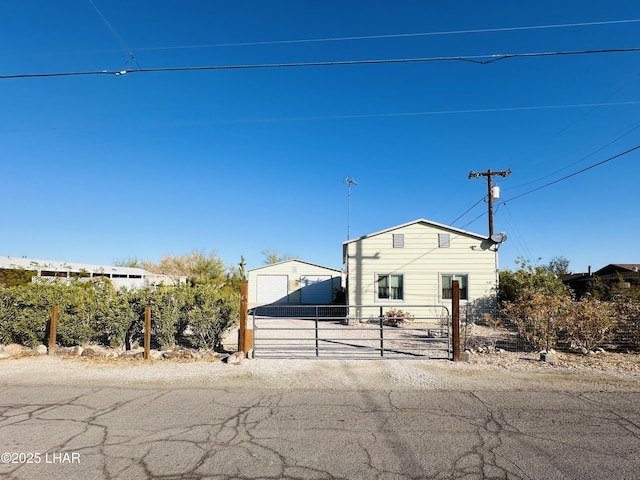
(22, 263)
(295, 260)
(420, 220)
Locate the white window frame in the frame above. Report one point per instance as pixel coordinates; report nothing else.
(455, 276)
(386, 299)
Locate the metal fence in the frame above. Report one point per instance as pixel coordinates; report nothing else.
(321, 331)
(487, 330)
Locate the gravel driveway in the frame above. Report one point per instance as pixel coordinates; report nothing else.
(490, 372)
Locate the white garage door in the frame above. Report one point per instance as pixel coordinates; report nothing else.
(315, 289)
(272, 289)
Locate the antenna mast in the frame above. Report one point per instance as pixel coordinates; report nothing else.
(349, 182)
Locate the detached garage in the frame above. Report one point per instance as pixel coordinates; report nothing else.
(293, 282)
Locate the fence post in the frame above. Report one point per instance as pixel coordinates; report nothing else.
(455, 320)
(245, 339)
(381, 333)
(53, 326)
(147, 332)
(317, 348)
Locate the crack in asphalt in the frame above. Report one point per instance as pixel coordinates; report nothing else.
(312, 434)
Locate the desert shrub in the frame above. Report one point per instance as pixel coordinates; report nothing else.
(538, 318)
(396, 317)
(26, 311)
(589, 323)
(81, 307)
(119, 316)
(215, 310)
(166, 308)
(627, 327)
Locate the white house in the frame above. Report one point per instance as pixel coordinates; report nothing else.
(293, 282)
(415, 264)
(120, 277)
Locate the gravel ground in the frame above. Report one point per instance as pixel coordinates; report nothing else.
(504, 371)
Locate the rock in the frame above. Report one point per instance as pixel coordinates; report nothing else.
(12, 349)
(40, 350)
(548, 357)
(156, 355)
(131, 354)
(171, 354)
(235, 358)
(89, 352)
(4, 355)
(76, 351)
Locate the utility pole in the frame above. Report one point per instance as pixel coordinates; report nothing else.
(489, 174)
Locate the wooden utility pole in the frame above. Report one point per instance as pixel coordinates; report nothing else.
(489, 174)
(455, 320)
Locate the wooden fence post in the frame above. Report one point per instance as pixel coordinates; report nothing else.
(53, 326)
(245, 337)
(455, 320)
(147, 332)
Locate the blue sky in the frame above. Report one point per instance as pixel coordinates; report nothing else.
(98, 168)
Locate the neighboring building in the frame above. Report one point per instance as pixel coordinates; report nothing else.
(293, 282)
(415, 264)
(120, 277)
(626, 275)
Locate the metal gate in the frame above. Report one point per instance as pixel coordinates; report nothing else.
(361, 331)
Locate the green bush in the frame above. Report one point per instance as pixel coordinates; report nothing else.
(97, 313)
(214, 311)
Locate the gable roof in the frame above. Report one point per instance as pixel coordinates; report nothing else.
(619, 268)
(297, 261)
(439, 226)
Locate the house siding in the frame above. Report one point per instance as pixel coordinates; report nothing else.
(421, 262)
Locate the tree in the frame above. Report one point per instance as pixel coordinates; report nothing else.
(198, 266)
(558, 265)
(272, 256)
(529, 279)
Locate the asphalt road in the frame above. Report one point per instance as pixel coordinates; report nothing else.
(96, 432)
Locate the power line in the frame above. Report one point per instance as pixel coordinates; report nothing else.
(626, 152)
(504, 203)
(360, 116)
(387, 36)
(478, 59)
(115, 34)
(619, 137)
(467, 211)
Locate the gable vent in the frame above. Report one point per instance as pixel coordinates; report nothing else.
(398, 240)
(444, 240)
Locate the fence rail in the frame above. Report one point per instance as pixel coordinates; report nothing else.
(351, 332)
(489, 330)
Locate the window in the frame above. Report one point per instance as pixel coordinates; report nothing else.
(398, 240)
(444, 240)
(447, 286)
(390, 287)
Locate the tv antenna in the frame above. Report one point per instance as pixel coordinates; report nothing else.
(349, 182)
